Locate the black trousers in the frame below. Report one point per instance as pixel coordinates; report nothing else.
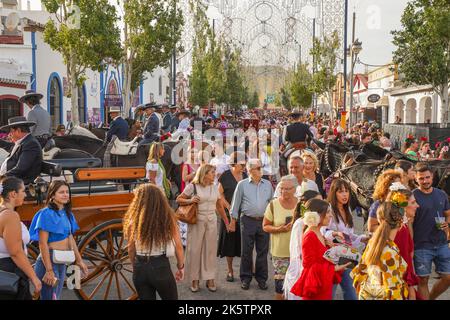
(152, 275)
(253, 235)
(8, 265)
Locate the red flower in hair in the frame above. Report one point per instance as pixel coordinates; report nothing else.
(448, 140)
(424, 139)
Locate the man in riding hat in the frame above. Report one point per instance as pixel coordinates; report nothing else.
(183, 117)
(25, 159)
(42, 130)
(151, 128)
(174, 122)
(295, 134)
(158, 113)
(167, 118)
(118, 127)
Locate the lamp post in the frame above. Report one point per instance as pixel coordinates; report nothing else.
(355, 50)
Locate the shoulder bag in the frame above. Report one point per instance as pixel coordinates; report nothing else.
(9, 282)
(65, 256)
(188, 213)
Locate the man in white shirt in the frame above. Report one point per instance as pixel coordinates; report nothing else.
(295, 166)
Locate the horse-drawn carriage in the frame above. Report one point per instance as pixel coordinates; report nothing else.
(100, 198)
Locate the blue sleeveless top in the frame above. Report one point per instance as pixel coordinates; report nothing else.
(56, 223)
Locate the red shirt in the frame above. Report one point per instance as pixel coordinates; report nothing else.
(318, 275)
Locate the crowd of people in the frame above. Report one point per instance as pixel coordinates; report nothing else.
(293, 219)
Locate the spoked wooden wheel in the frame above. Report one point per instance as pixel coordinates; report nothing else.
(104, 251)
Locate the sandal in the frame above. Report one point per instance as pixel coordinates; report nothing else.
(212, 288)
(194, 288)
(230, 277)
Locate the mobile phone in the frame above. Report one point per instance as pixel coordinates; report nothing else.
(288, 220)
(343, 261)
(347, 238)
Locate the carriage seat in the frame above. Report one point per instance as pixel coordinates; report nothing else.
(124, 148)
(83, 187)
(51, 169)
(49, 154)
(74, 164)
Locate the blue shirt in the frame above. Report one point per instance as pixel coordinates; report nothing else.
(426, 235)
(56, 223)
(373, 209)
(251, 199)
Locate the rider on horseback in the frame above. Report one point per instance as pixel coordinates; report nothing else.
(151, 129)
(296, 134)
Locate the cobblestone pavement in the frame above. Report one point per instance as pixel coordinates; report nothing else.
(232, 291)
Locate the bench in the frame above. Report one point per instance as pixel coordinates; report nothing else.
(101, 179)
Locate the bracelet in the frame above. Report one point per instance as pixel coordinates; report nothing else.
(50, 270)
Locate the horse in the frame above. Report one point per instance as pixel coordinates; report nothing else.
(363, 176)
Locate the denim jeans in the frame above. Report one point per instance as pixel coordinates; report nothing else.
(346, 286)
(153, 274)
(48, 292)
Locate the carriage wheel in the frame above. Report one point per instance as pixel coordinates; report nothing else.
(33, 254)
(104, 251)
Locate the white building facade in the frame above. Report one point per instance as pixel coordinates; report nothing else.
(27, 62)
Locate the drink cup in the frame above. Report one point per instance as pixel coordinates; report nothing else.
(439, 222)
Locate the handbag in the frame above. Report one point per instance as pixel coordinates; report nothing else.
(9, 283)
(188, 213)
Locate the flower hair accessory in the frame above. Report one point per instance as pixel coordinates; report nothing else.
(410, 139)
(396, 186)
(311, 219)
(448, 140)
(399, 199)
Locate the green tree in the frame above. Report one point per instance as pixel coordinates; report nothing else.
(325, 54)
(198, 79)
(215, 72)
(254, 102)
(278, 100)
(234, 81)
(423, 47)
(301, 87)
(286, 98)
(84, 32)
(151, 30)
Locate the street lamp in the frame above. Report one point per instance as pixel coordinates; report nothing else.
(355, 50)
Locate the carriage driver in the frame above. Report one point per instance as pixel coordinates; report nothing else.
(151, 129)
(25, 159)
(118, 127)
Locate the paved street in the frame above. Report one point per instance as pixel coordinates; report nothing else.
(232, 291)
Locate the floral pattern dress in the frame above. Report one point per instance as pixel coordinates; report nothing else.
(383, 281)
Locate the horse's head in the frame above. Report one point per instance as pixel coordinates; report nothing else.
(374, 152)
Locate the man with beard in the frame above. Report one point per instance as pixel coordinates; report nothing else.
(431, 233)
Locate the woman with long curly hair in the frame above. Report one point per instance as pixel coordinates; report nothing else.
(384, 181)
(152, 234)
(379, 275)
